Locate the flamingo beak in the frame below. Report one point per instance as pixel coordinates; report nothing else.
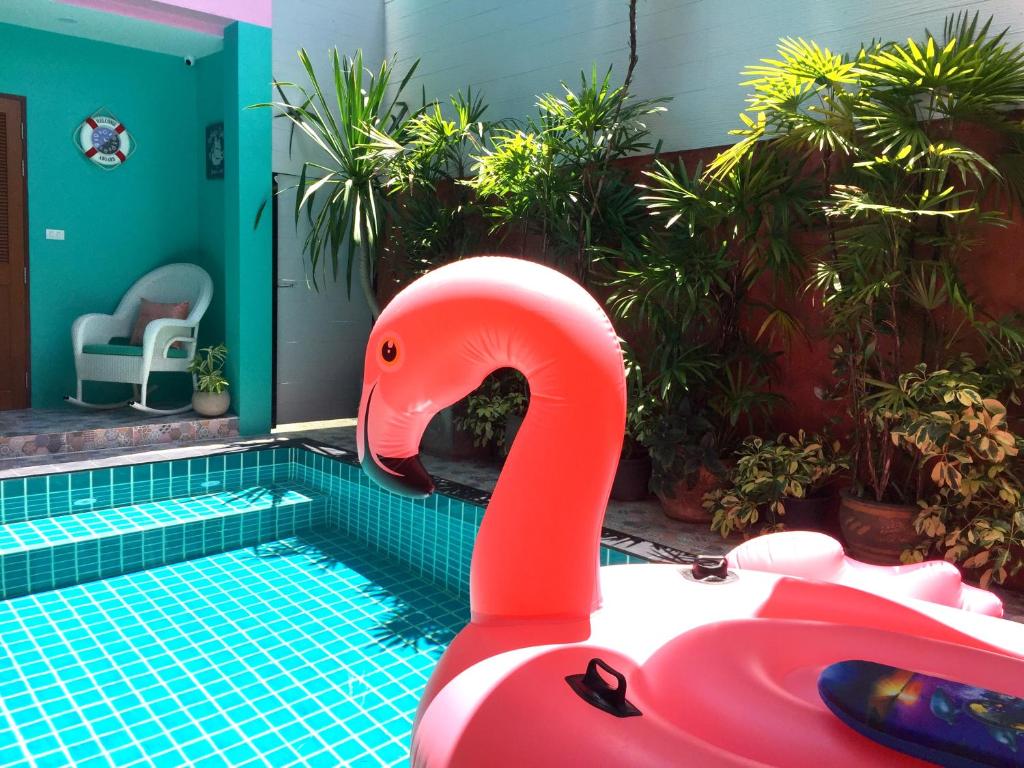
(405, 476)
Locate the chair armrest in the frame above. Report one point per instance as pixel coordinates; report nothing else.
(162, 332)
(97, 329)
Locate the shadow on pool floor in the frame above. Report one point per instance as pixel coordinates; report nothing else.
(420, 614)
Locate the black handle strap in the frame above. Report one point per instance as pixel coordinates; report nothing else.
(595, 690)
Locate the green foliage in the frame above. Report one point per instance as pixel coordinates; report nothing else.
(551, 177)
(904, 183)
(434, 218)
(342, 192)
(768, 472)
(502, 394)
(208, 368)
(688, 284)
(965, 461)
(679, 439)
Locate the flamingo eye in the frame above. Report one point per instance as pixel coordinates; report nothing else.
(389, 354)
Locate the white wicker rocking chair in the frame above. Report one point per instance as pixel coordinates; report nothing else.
(100, 342)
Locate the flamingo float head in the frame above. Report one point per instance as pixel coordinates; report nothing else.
(435, 343)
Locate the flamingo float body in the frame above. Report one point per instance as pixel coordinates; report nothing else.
(716, 673)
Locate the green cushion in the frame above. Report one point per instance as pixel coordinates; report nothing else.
(126, 350)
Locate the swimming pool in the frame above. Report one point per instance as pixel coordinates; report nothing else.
(265, 607)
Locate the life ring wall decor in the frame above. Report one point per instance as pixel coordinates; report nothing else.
(104, 140)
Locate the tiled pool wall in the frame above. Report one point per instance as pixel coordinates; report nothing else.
(434, 537)
(40, 496)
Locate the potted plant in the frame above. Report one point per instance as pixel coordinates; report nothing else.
(779, 481)
(211, 397)
(903, 180)
(685, 290)
(967, 474)
(633, 473)
(495, 411)
(684, 457)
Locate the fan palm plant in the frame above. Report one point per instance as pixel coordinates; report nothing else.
(688, 283)
(342, 191)
(916, 148)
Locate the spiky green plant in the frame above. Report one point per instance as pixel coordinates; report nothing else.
(551, 177)
(208, 368)
(434, 217)
(342, 191)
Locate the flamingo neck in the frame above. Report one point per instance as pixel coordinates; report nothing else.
(537, 553)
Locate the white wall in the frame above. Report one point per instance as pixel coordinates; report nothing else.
(692, 50)
(321, 335)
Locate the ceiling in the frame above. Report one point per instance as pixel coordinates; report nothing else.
(66, 19)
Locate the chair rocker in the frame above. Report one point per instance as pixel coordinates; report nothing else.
(101, 342)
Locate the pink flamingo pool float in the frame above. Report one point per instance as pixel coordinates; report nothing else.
(567, 664)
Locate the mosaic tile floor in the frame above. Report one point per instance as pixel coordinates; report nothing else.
(307, 651)
(56, 431)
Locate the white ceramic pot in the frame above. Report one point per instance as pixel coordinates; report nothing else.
(210, 403)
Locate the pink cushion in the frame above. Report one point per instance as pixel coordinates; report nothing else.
(153, 310)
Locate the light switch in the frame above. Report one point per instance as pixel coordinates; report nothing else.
(55, 234)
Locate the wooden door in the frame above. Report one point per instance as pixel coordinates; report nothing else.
(13, 256)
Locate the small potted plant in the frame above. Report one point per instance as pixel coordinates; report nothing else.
(683, 449)
(495, 411)
(941, 433)
(633, 474)
(780, 481)
(211, 397)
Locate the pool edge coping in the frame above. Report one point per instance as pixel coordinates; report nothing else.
(626, 543)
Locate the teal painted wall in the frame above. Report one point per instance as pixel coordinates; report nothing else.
(155, 209)
(247, 253)
(118, 224)
(210, 72)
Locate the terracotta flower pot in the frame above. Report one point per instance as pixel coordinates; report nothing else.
(806, 514)
(877, 532)
(444, 440)
(686, 503)
(211, 403)
(632, 478)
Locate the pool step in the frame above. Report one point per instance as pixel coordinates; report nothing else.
(54, 552)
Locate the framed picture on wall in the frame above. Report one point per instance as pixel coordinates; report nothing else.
(215, 151)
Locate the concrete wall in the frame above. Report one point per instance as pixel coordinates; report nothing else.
(321, 333)
(691, 50)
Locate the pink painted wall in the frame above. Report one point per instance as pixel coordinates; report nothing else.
(206, 16)
(251, 11)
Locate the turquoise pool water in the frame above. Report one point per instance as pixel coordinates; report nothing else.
(268, 608)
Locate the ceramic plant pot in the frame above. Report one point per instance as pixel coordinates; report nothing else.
(1016, 581)
(444, 440)
(211, 403)
(806, 514)
(632, 478)
(513, 422)
(686, 503)
(877, 532)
